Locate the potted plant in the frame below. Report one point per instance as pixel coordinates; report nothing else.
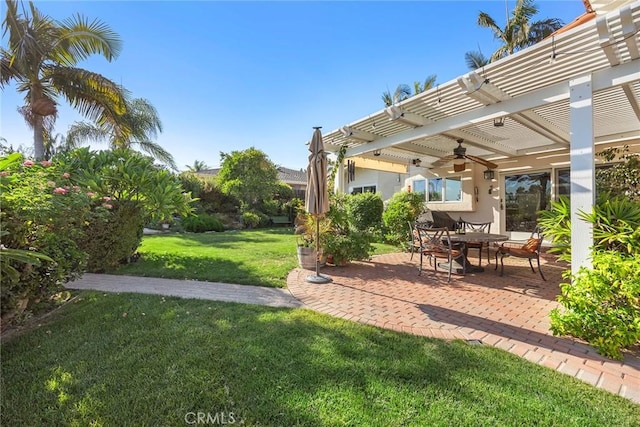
(306, 245)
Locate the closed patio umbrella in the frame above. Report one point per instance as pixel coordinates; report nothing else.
(317, 197)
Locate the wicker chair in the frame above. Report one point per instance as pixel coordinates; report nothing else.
(529, 250)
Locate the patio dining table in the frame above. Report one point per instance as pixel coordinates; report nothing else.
(461, 264)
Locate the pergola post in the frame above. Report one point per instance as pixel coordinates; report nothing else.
(582, 158)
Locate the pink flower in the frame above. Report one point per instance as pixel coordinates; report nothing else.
(59, 190)
(107, 205)
(28, 163)
(90, 194)
(51, 183)
(4, 173)
(106, 198)
(45, 163)
(66, 175)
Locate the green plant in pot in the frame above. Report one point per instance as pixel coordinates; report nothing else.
(306, 240)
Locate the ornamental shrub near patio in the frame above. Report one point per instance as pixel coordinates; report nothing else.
(402, 207)
(603, 303)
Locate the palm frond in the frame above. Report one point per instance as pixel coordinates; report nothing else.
(157, 152)
(80, 133)
(475, 60)
(402, 92)
(387, 99)
(92, 94)
(79, 39)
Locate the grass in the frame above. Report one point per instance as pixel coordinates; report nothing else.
(251, 257)
(109, 359)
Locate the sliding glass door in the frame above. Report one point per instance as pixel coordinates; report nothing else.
(525, 195)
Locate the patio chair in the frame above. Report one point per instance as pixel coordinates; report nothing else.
(414, 239)
(436, 243)
(530, 249)
(479, 227)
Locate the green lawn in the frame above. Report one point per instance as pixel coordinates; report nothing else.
(251, 257)
(143, 360)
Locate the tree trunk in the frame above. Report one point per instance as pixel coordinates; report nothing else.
(38, 137)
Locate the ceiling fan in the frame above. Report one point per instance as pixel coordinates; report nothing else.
(460, 153)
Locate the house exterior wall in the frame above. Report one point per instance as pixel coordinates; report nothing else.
(490, 207)
(387, 183)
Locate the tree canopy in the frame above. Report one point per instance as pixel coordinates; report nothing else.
(248, 175)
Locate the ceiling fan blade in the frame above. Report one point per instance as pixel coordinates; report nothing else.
(487, 163)
(442, 161)
(459, 167)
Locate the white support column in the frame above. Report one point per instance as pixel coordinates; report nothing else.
(582, 156)
(338, 185)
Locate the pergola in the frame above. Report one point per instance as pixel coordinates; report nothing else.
(570, 92)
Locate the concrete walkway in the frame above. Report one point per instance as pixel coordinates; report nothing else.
(272, 297)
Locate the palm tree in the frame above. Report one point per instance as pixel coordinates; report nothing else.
(54, 144)
(519, 32)
(402, 92)
(198, 165)
(419, 87)
(41, 57)
(475, 60)
(137, 126)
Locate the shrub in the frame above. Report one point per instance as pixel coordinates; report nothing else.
(365, 211)
(133, 191)
(602, 304)
(42, 212)
(112, 236)
(210, 197)
(339, 237)
(402, 207)
(250, 219)
(201, 223)
(616, 225)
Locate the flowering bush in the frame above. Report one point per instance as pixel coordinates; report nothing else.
(42, 213)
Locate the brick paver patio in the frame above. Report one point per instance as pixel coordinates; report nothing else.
(509, 312)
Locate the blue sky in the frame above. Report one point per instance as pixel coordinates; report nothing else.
(226, 76)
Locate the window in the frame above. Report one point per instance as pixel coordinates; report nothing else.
(563, 181)
(420, 187)
(453, 189)
(440, 189)
(435, 190)
(364, 189)
(525, 195)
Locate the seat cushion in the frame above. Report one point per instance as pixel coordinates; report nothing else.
(531, 245)
(518, 252)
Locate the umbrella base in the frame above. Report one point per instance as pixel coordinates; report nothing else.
(318, 278)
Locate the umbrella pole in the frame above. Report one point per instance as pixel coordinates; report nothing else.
(318, 278)
(317, 247)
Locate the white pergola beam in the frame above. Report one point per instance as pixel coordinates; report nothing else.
(396, 113)
(358, 135)
(601, 79)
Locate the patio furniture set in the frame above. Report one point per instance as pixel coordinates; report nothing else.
(445, 243)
